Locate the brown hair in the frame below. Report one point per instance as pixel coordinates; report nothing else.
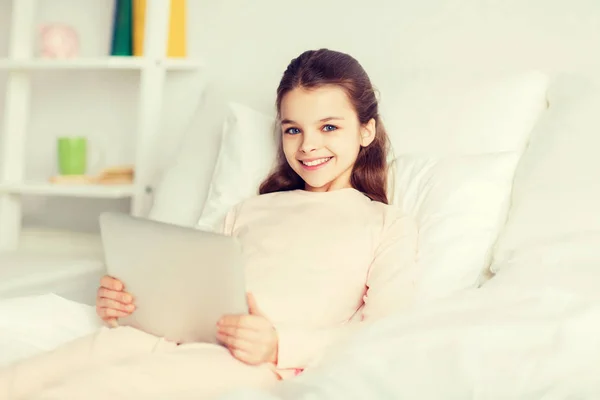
(316, 68)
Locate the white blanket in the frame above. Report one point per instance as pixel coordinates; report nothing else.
(33, 324)
(506, 341)
(490, 343)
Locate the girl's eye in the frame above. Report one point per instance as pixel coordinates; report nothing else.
(292, 131)
(329, 128)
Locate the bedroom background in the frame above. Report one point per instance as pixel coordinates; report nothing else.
(245, 46)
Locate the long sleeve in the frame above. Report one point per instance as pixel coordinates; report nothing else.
(390, 288)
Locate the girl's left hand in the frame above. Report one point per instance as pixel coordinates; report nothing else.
(250, 338)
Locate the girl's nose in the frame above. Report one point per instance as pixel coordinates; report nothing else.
(310, 142)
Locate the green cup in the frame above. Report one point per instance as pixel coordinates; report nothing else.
(72, 155)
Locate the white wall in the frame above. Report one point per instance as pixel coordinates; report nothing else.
(247, 45)
(260, 37)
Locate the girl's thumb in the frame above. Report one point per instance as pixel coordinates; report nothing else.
(252, 306)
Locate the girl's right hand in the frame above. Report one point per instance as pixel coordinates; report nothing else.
(113, 301)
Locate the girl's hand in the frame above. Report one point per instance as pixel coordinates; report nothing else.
(112, 301)
(250, 338)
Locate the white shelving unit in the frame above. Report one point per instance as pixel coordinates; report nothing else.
(19, 65)
(49, 189)
(105, 63)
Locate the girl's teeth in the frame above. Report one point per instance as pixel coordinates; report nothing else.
(315, 162)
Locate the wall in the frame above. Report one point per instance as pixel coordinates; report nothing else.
(260, 37)
(247, 44)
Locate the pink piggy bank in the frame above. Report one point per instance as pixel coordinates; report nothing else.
(58, 41)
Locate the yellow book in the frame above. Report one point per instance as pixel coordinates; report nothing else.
(177, 27)
(177, 43)
(139, 22)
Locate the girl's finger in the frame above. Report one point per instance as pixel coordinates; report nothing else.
(111, 283)
(116, 305)
(245, 357)
(253, 306)
(122, 297)
(111, 313)
(240, 333)
(112, 322)
(235, 342)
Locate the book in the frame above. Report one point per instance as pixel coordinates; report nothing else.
(122, 42)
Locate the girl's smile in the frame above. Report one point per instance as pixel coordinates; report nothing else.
(312, 164)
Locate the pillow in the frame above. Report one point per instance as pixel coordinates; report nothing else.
(181, 191)
(437, 114)
(554, 219)
(459, 203)
(247, 154)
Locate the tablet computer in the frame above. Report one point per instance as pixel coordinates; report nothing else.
(182, 279)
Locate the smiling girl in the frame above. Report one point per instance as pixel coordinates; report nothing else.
(325, 254)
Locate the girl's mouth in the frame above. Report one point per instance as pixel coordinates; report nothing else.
(315, 164)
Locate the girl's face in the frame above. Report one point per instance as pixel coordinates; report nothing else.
(322, 136)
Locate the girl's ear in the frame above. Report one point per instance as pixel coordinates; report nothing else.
(367, 133)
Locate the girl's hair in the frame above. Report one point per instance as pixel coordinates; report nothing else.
(316, 68)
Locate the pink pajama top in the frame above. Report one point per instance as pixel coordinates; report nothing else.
(318, 262)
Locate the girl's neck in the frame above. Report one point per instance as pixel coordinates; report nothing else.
(330, 187)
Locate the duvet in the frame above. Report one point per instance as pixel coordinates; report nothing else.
(497, 342)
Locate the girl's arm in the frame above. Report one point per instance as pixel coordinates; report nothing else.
(390, 287)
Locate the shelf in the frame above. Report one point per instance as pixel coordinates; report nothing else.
(72, 276)
(23, 67)
(49, 189)
(177, 64)
(111, 63)
(59, 242)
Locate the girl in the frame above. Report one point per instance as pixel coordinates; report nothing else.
(324, 252)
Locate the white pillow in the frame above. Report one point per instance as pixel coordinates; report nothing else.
(460, 203)
(439, 114)
(554, 218)
(247, 154)
(182, 189)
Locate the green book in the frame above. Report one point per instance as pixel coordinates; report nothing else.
(122, 37)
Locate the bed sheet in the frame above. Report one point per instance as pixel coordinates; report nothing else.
(505, 341)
